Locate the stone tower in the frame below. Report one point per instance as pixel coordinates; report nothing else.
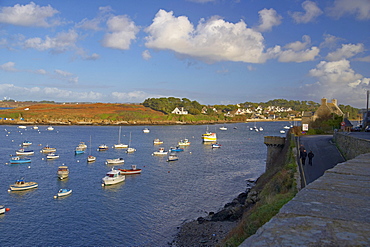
(275, 145)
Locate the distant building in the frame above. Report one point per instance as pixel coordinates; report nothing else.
(179, 111)
(325, 110)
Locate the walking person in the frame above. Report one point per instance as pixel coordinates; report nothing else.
(301, 149)
(303, 157)
(310, 156)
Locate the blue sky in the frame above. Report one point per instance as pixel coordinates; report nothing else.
(211, 51)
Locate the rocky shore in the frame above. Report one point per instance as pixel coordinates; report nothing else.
(212, 229)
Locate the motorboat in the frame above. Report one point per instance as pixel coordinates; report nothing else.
(79, 150)
(216, 145)
(209, 137)
(91, 158)
(282, 131)
(20, 184)
(22, 127)
(176, 149)
(48, 149)
(157, 141)
(22, 151)
(50, 128)
(63, 192)
(120, 145)
(172, 157)
(63, 172)
(19, 160)
(114, 161)
(113, 177)
(130, 150)
(146, 130)
(35, 127)
(52, 156)
(26, 143)
(184, 142)
(2, 209)
(103, 147)
(223, 128)
(260, 129)
(131, 171)
(161, 151)
(82, 145)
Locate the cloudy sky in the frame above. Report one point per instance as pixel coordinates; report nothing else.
(211, 51)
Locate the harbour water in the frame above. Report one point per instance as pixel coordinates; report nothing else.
(146, 209)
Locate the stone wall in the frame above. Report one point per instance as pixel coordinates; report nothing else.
(351, 146)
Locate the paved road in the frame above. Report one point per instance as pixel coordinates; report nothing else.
(326, 155)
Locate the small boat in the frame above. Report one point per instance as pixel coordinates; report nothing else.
(19, 160)
(20, 184)
(114, 161)
(52, 156)
(21, 151)
(26, 143)
(184, 142)
(130, 150)
(113, 177)
(103, 147)
(48, 149)
(286, 127)
(79, 150)
(146, 130)
(131, 171)
(261, 129)
(176, 149)
(209, 136)
(50, 128)
(22, 127)
(35, 127)
(157, 141)
(216, 145)
(161, 151)
(172, 157)
(2, 209)
(82, 146)
(63, 192)
(223, 128)
(120, 145)
(282, 131)
(91, 158)
(63, 172)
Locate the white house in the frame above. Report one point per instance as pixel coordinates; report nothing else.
(179, 111)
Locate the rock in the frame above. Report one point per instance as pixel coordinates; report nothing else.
(201, 220)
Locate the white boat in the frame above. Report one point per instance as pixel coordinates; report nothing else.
(120, 145)
(216, 145)
(22, 151)
(209, 137)
(82, 146)
(35, 127)
(2, 209)
(146, 130)
(63, 192)
(157, 141)
(113, 177)
(103, 147)
(48, 149)
(282, 131)
(50, 128)
(223, 128)
(184, 142)
(161, 151)
(20, 184)
(63, 172)
(172, 157)
(131, 171)
(22, 127)
(261, 129)
(26, 143)
(286, 127)
(130, 150)
(91, 158)
(114, 161)
(52, 156)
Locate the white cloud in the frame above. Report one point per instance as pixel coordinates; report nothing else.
(338, 80)
(146, 55)
(9, 66)
(311, 12)
(211, 41)
(122, 31)
(346, 51)
(29, 15)
(135, 96)
(363, 59)
(202, 1)
(60, 43)
(94, 24)
(268, 19)
(66, 76)
(40, 71)
(360, 8)
(330, 41)
(251, 68)
(298, 45)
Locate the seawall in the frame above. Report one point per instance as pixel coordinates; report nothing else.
(351, 146)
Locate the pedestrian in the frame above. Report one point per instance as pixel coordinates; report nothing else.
(310, 156)
(301, 149)
(303, 157)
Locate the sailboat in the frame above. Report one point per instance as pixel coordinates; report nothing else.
(90, 158)
(120, 145)
(130, 149)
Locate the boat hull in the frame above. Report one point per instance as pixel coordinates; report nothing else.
(26, 186)
(209, 137)
(111, 181)
(130, 171)
(20, 161)
(64, 193)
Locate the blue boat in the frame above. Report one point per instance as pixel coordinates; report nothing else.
(176, 149)
(79, 150)
(19, 160)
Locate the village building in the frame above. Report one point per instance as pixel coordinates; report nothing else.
(180, 111)
(326, 109)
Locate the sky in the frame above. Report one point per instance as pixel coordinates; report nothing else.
(210, 51)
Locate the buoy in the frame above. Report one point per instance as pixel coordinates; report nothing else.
(29, 166)
(55, 197)
(9, 190)
(102, 185)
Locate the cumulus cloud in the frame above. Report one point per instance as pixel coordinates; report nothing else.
(346, 51)
(330, 41)
(61, 42)
(359, 8)
(9, 66)
(135, 96)
(338, 80)
(66, 76)
(268, 19)
(94, 24)
(311, 12)
(211, 41)
(298, 45)
(121, 32)
(29, 15)
(146, 55)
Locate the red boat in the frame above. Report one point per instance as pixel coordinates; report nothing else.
(131, 171)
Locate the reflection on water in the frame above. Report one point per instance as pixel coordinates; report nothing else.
(145, 209)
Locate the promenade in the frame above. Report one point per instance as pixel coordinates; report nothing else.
(330, 211)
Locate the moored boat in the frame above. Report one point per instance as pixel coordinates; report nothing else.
(176, 149)
(113, 177)
(26, 143)
(79, 150)
(216, 145)
(209, 137)
(20, 184)
(119, 144)
(48, 149)
(172, 157)
(22, 127)
(2, 209)
(82, 145)
(157, 141)
(114, 161)
(22, 151)
(63, 192)
(131, 171)
(223, 128)
(19, 160)
(184, 142)
(63, 172)
(103, 147)
(161, 151)
(91, 158)
(146, 130)
(52, 156)
(50, 128)
(130, 150)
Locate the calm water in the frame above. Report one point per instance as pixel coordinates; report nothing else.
(146, 209)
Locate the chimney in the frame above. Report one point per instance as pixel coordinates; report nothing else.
(323, 101)
(334, 101)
